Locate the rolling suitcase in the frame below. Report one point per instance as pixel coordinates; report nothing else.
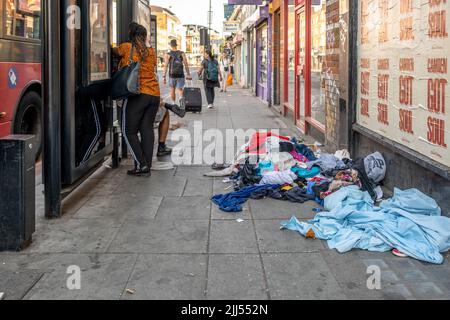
(193, 99)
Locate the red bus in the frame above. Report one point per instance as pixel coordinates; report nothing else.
(20, 68)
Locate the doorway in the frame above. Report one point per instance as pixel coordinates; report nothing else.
(276, 58)
(310, 109)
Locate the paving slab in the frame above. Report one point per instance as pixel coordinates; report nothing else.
(230, 236)
(184, 208)
(168, 277)
(14, 285)
(352, 275)
(278, 209)
(157, 186)
(193, 172)
(161, 236)
(75, 236)
(236, 277)
(103, 277)
(121, 208)
(199, 187)
(295, 276)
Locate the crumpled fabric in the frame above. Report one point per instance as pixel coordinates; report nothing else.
(299, 157)
(232, 202)
(282, 161)
(306, 173)
(410, 222)
(261, 140)
(304, 150)
(328, 164)
(223, 173)
(279, 178)
(343, 154)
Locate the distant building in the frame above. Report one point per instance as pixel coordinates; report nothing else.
(194, 43)
(169, 28)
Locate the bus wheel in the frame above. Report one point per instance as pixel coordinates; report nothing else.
(29, 119)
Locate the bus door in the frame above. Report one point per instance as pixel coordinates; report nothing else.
(87, 115)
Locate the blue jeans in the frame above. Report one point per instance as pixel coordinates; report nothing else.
(178, 83)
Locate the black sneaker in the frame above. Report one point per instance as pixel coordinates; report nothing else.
(166, 151)
(144, 172)
(178, 110)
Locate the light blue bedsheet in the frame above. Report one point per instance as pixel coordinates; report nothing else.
(410, 221)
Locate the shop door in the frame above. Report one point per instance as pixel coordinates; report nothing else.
(301, 69)
(262, 62)
(317, 34)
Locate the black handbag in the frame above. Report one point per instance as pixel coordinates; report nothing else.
(125, 82)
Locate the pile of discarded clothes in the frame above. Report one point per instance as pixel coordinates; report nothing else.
(410, 222)
(282, 168)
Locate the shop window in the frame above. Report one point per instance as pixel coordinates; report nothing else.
(23, 18)
(99, 40)
(263, 59)
(291, 53)
(318, 52)
(403, 77)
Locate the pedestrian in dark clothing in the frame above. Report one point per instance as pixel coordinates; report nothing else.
(211, 75)
(139, 111)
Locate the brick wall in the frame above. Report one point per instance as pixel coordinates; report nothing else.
(331, 73)
(335, 74)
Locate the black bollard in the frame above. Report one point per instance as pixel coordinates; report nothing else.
(17, 192)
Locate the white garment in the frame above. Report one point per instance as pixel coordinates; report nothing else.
(283, 161)
(224, 173)
(342, 154)
(281, 178)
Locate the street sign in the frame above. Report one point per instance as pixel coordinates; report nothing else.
(230, 27)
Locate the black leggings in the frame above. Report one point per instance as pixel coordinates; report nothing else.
(210, 93)
(139, 114)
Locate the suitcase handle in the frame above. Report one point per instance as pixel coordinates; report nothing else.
(190, 83)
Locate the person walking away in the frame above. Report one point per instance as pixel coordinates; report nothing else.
(175, 62)
(211, 75)
(139, 111)
(225, 69)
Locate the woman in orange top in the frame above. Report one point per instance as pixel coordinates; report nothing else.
(139, 111)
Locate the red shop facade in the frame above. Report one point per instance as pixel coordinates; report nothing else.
(299, 63)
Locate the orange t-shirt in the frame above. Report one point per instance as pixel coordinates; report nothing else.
(148, 80)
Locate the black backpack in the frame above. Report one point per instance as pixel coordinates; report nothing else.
(176, 64)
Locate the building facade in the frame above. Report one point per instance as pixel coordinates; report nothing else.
(169, 28)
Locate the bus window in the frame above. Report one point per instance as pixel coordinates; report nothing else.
(23, 18)
(144, 18)
(99, 40)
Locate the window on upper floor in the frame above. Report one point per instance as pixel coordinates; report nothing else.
(23, 18)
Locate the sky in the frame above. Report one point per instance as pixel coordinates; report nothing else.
(195, 11)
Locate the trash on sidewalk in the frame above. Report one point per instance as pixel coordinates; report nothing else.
(280, 162)
(130, 291)
(2, 295)
(409, 222)
(240, 220)
(348, 189)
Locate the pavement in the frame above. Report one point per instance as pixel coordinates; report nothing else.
(162, 238)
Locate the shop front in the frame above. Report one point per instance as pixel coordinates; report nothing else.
(310, 72)
(263, 60)
(401, 92)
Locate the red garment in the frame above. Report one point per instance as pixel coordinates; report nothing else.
(258, 141)
(299, 157)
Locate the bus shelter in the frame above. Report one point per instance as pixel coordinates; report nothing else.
(79, 117)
